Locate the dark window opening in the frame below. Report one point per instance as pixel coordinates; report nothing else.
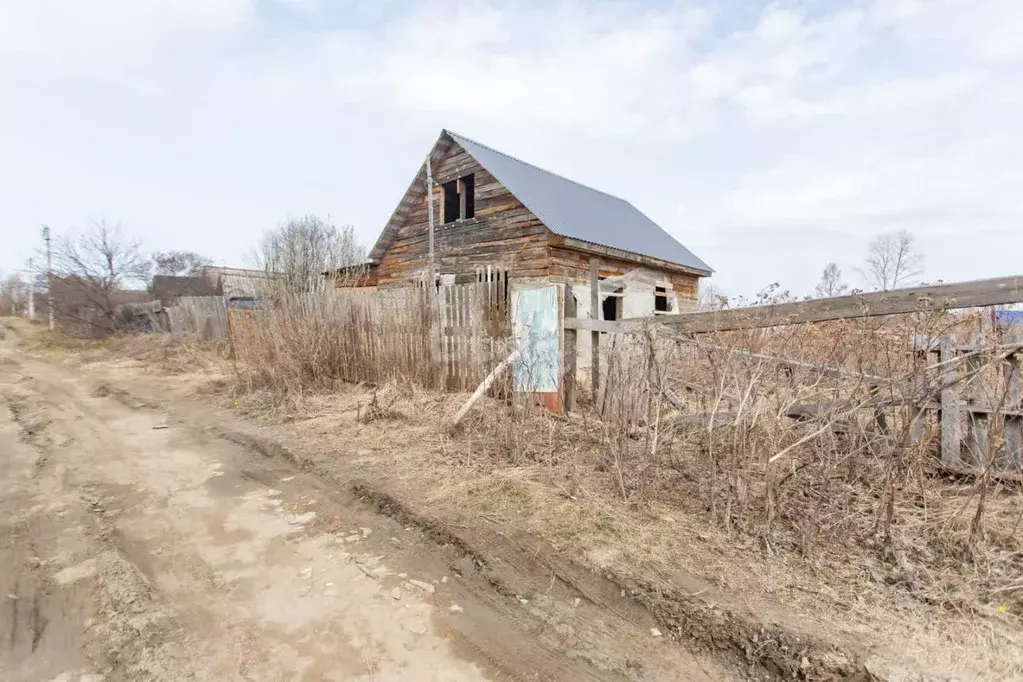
(612, 305)
(661, 300)
(468, 196)
(459, 199)
(450, 201)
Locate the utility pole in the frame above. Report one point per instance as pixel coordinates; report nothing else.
(429, 213)
(31, 293)
(49, 274)
(433, 301)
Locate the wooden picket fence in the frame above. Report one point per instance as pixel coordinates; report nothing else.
(474, 328)
(448, 337)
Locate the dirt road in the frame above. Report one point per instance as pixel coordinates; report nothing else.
(138, 545)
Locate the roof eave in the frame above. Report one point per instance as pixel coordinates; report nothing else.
(611, 252)
(416, 192)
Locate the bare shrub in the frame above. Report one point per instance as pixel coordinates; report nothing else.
(91, 272)
(808, 439)
(300, 252)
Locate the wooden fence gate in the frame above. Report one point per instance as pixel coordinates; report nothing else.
(473, 328)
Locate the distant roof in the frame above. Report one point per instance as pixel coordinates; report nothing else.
(237, 282)
(580, 212)
(169, 287)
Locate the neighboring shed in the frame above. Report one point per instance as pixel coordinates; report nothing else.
(169, 288)
(491, 209)
(240, 287)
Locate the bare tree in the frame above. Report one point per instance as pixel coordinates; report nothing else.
(830, 283)
(893, 260)
(711, 297)
(301, 250)
(180, 263)
(11, 293)
(92, 270)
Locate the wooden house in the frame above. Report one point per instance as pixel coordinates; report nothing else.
(491, 209)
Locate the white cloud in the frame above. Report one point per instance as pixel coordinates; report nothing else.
(75, 28)
(799, 125)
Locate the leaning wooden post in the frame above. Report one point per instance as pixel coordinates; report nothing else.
(1012, 368)
(570, 350)
(483, 388)
(951, 431)
(594, 335)
(977, 435)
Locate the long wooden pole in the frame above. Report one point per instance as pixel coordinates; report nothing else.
(955, 296)
(429, 213)
(594, 335)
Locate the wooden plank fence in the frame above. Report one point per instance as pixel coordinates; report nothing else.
(474, 328)
(960, 295)
(202, 316)
(970, 405)
(449, 335)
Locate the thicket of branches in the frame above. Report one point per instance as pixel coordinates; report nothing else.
(298, 255)
(92, 267)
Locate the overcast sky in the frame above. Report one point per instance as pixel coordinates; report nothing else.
(769, 138)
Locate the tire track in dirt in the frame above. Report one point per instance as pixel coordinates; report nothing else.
(500, 572)
(195, 546)
(40, 620)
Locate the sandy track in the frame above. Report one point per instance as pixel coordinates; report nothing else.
(138, 546)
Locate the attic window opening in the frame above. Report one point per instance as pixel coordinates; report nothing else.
(661, 302)
(467, 196)
(459, 199)
(450, 201)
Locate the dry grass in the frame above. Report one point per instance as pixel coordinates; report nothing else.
(34, 336)
(568, 494)
(829, 524)
(318, 341)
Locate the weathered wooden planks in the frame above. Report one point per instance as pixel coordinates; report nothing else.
(899, 301)
(503, 231)
(1012, 368)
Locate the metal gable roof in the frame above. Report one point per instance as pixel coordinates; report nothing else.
(580, 212)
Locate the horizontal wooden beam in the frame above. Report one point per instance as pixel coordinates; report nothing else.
(986, 292)
(610, 327)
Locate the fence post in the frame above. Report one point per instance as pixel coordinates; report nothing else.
(977, 436)
(594, 335)
(951, 432)
(570, 350)
(433, 306)
(917, 409)
(1012, 368)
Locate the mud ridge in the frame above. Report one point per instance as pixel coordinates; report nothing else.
(131, 621)
(384, 502)
(105, 390)
(762, 648)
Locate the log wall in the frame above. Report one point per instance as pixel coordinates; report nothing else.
(503, 233)
(568, 265)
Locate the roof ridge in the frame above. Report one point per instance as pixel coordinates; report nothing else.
(532, 165)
